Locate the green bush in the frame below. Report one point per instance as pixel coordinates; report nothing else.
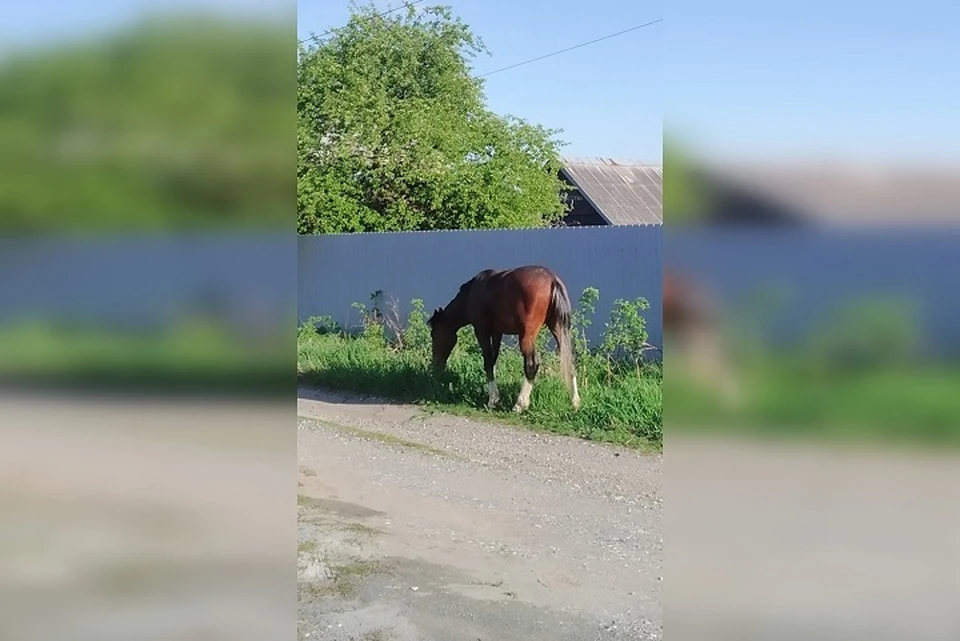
(859, 375)
(416, 335)
(625, 338)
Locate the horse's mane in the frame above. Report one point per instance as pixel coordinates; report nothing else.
(461, 293)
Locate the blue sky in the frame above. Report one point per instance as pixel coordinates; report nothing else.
(872, 80)
(607, 97)
(875, 80)
(816, 79)
(48, 20)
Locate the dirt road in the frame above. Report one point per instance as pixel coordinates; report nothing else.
(422, 528)
(144, 519)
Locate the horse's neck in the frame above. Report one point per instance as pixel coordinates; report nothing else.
(456, 312)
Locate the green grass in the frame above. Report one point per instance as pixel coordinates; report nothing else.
(790, 397)
(619, 406)
(190, 358)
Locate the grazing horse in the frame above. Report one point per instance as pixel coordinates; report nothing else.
(515, 302)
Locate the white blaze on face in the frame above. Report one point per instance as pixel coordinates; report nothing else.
(576, 394)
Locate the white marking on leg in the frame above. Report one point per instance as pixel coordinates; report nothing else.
(576, 394)
(494, 393)
(523, 401)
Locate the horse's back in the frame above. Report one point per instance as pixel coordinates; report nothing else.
(506, 298)
(525, 279)
(530, 274)
(535, 270)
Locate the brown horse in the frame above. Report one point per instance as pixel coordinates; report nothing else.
(515, 302)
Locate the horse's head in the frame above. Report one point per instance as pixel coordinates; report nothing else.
(444, 335)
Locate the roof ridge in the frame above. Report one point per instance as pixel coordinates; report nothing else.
(607, 161)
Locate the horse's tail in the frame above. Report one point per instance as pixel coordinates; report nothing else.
(562, 312)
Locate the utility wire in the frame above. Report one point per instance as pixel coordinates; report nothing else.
(388, 11)
(582, 44)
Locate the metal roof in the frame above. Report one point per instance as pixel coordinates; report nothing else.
(623, 193)
(839, 193)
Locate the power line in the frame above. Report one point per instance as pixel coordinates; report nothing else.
(582, 44)
(388, 11)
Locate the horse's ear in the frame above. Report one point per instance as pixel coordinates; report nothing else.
(437, 313)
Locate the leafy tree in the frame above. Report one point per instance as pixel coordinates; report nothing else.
(174, 123)
(685, 197)
(394, 134)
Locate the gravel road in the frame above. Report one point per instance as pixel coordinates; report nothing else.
(417, 527)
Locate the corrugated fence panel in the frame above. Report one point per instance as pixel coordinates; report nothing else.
(817, 272)
(143, 281)
(337, 270)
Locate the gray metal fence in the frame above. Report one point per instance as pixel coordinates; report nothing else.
(334, 271)
(816, 273)
(145, 281)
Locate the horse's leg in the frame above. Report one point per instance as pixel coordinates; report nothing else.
(528, 347)
(495, 339)
(489, 360)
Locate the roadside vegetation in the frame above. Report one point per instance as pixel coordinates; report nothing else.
(192, 357)
(620, 386)
(862, 374)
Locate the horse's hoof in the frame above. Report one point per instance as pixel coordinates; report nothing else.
(518, 409)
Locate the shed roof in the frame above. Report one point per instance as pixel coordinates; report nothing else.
(840, 193)
(623, 193)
